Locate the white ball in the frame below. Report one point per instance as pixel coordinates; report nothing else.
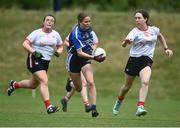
(99, 51)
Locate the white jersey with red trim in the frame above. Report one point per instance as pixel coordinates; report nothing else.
(144, 42)
(44, 42)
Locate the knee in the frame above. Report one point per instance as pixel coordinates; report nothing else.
(33, 84)
(44, 82)
(91, 84)
(84, 84)
(145, 83)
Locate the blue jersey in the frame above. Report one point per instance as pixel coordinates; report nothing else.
(81, 39)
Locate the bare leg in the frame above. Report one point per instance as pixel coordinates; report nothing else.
(39, 77)
(76, 78)
(84, 90)
(123, 91)
(145, 75)
(43, 83)
(31, 84)
(128, 83)
(87, 71)
(88, 74)
(69, 94)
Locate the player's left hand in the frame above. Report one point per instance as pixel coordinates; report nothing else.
(100, 58)
(169, 52)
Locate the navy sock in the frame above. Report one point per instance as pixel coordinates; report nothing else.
(93, 107)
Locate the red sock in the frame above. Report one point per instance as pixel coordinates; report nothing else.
(120, 98)
(47, 103)
(16, 85)
(140, 103)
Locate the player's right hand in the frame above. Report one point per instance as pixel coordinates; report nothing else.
(37, 55)
(126, 41)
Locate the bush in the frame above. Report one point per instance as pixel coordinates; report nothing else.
(34, 4)
(102, 5)
(8, 3)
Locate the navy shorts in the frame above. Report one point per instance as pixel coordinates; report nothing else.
(136, 64)
(75, 63)
(35, 65)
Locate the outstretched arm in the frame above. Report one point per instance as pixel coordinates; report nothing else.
(168, 51)
(125, 42)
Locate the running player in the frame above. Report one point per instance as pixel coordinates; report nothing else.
(143, 39)
(40, 47)
(70, 86)
(80, 55)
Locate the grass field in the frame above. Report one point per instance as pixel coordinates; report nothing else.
(16, 111)
(21, 109)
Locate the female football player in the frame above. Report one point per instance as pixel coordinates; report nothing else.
(70, 86)
(143, 40)
(40, 47)
(80, 55)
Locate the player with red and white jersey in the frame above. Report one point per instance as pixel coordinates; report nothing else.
(40, 45)
(143, 39)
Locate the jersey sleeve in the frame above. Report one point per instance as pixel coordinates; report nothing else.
(77, 40)
(157, 30)
(32, 36)
(95, 38)
(59, 39)
(132, 34)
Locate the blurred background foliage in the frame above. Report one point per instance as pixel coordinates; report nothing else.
(170, 6)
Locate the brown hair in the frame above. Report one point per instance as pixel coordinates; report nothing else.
(81, 16)
(51, 16)
(144, 13)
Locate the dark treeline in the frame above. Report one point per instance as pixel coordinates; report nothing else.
(100, 5)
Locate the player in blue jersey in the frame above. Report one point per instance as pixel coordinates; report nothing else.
(80, 55)
(70, 86)
(40, 45)
(143, 39)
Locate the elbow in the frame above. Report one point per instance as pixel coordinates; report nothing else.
(24, 44)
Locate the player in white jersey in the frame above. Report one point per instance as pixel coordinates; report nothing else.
(40, 44)
(143, 39)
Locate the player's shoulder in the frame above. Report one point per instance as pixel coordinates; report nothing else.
(76, 31)
(154, 28)
(37, 30)
(134, 30)
(55, 31)
(93, 32)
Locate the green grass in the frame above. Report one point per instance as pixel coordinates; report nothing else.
(22, 110)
